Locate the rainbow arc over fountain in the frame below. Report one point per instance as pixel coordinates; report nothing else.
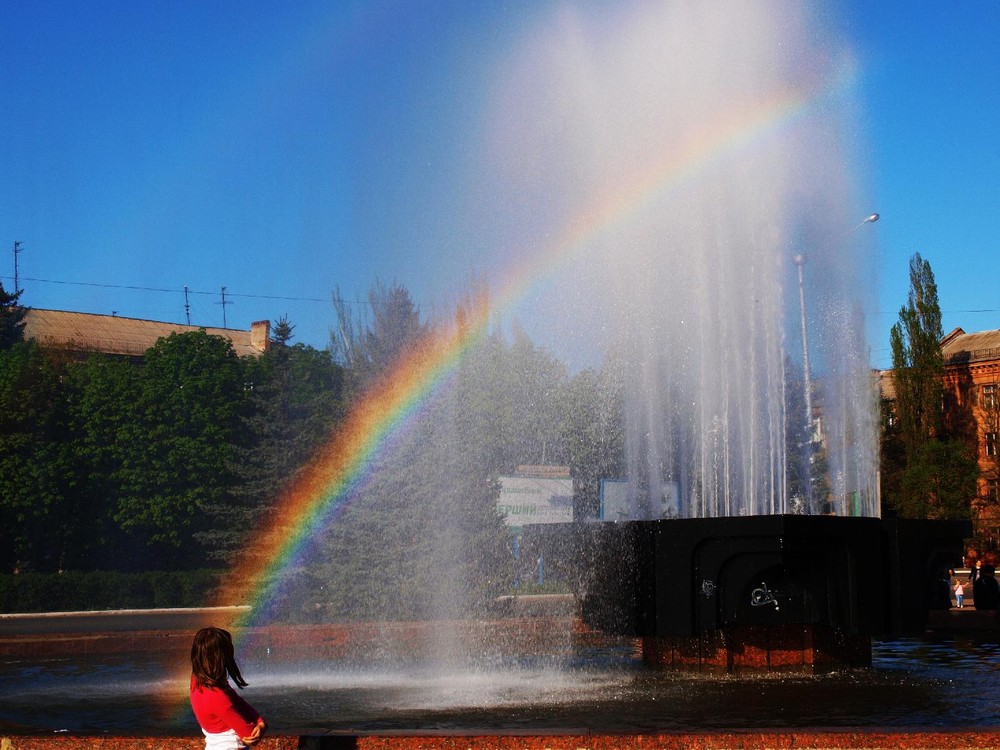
(338, 471)
(341, 466)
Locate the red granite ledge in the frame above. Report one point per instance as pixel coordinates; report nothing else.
(878, 740)
(105, 742)
(832, 739)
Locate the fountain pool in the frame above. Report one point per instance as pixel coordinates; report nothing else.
(601, 686)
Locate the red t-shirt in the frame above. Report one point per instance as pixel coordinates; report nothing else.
(220, 709)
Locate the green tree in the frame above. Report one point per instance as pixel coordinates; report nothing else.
(892, 456)
(32, 508)
(940, 480)
(933, 461)
(592, 409)
(296, 399)
(512, 403)
(420, 536)
(101, 404)
(368, 346)
(178, 445)
(11, 318)
(917, 362)
(806, 464)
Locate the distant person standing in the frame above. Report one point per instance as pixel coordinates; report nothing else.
(959, 594)
(985, 590)
(975, 573)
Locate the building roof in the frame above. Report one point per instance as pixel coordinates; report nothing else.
(111, 334)
(959, 347)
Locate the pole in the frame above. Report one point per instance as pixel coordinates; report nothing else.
(17, 251)
(225, 324)
(806, 381)
(800, 261)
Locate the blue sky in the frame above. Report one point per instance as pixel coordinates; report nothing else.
(931, 99)
(281, 150)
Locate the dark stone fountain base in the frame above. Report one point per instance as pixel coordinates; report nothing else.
(765, 593)
(800, 649)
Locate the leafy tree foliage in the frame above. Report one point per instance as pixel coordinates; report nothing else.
(938, 478)
(422, 537)
(100, 403)
(106, 463)
(177, 443)
(32, 508)
(917, 361)
(11, 318)
(296, 399)
(808, 462)
(892, 456)
(368, 346)
(175, 461)
(510, 404)
(591, 408)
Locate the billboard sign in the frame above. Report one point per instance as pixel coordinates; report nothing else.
(532, 500)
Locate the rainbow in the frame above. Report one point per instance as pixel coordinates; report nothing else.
(328, 483)
(343, 462)
(341, 465)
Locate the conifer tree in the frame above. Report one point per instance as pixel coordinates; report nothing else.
(938, 478)
(11, 318)
(917, 361)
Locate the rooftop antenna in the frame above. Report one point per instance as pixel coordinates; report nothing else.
(17, 251)
(224, 302)
(187, 305)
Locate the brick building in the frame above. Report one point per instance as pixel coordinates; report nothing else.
(972, 411)
(971, 404)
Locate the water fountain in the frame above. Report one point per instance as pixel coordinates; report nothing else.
(749, 535)
(688, 156)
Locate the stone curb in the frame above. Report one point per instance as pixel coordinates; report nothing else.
(863, 739)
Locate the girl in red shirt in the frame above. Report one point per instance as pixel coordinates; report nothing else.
(227, 721)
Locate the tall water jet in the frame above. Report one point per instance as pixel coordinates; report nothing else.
(708, 149)
(707, 157)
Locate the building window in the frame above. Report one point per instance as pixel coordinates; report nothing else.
(991, 443)
(993, 491)
(990, 396)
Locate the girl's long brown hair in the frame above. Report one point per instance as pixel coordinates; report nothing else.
(213, 657)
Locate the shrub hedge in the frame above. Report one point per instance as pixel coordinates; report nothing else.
(74, 591)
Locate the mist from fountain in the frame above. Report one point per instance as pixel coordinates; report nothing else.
(732, 134)
(711, 147)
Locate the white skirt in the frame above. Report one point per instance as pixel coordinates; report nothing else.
(227, 740)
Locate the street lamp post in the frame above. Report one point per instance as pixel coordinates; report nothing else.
(800, 260)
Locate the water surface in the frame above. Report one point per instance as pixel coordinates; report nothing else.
(913, 683)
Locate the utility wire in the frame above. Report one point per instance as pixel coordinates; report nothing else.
(181, 291)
